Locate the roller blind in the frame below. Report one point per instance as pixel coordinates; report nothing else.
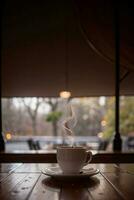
(33, 48)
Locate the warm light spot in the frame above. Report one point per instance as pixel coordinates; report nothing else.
(65, 94)
(85, 116)
(100, 135)
(103, 123)
(8, 136)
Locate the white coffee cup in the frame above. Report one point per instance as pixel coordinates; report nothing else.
(72, 159)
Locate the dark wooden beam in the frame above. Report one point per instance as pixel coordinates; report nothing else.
(46, 157)
(2, 144)
(117, 142)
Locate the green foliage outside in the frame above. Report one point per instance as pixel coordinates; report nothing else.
(126, 116)
(53, 116)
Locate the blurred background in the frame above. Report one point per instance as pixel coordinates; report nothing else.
(36, 123)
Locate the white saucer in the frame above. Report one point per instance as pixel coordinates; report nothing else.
(56, 172)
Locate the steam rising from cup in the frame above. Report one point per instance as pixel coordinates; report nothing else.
(68, 124)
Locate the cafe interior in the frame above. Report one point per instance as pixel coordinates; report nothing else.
(67, 49)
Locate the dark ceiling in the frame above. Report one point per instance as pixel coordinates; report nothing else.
(35, 51)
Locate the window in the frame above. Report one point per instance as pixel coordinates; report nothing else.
(37, 122)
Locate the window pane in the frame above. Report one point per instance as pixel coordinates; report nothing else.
(30, 123)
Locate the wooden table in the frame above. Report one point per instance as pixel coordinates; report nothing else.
(25, 181)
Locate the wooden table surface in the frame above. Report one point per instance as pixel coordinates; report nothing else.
(25, 181)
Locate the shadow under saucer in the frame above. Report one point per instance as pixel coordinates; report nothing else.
(71, 189)
(51, 183)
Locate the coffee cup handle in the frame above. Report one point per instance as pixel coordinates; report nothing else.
(90, 158)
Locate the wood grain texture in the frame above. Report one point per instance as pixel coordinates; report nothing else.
(28, 167)
(42, 191)
(2, 176)
(20, 188)
(26, 182)
(9, 167)
(103, 190)
(126, 167)
(122, 182)
(9, 183)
